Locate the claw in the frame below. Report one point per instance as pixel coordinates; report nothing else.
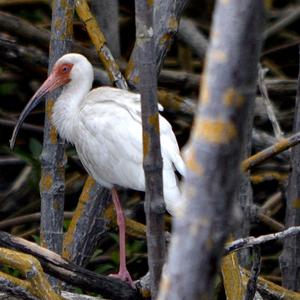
(124, 276)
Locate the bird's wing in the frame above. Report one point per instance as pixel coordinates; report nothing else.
(116, 138)
(122, 97)
(115, 115)
(169, 145)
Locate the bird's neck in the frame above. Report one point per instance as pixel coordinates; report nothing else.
(66, 109)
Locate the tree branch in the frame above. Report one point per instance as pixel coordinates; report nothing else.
(152, 160)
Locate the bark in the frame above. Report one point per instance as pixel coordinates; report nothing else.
(271, 151)
(98, 39)
(290, 257)
(39, 37)
(107, 15)
(53, 159)
(166, 19)
(55, 265)
(214, 152)
(152, 162)
(87, 225)
(191, 36)
(255, 270)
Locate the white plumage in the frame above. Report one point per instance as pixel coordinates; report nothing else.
(105, 127)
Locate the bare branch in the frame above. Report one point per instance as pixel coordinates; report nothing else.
(216, 144)
(255, 270)
(253, 241)
(152, 160)
(269, 106)
(52, 185)
(289, 260)
(270, 152)
(55, 265)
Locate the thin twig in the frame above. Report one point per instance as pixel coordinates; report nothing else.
(292, 15)
(252, 241)
(27, 219)
(255, 270)
(270, 152)
(269, 106)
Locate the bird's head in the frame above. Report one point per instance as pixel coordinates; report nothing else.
(70, 68)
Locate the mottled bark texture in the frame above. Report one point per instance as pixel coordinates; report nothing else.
(290, 257)
(98, 39)
(244, 195)
(166, 19)
(87, 225)
(34, 281)
(52, 184)
(214, 152)
(54, 264)
(107, 15)
(152, 163)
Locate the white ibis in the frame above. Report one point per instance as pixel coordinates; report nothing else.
(105, 126)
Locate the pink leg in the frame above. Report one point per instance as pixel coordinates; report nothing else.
(123, 273)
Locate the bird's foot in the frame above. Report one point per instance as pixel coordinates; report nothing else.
(124, 276)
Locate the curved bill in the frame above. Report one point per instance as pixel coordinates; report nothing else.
(52, 83)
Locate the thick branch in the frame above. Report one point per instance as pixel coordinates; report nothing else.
(214, 152)
(55, 265)
(52, 185)
(152, 161)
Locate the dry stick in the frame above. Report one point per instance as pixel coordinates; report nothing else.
(19, 2)
(215, 144)
(152, 160)
(166, 19)
(263, 140)
(255, 270)
(55, 265)
(52, 183)
(253, 241)
(34, 35)
(269, 106)
(27, 219)
(31, 269)
(232, 277)
(270, 152)
(270, 290)
(289, 260)
(283, 22)
(192, 36)
(25, 126)
(99, 42)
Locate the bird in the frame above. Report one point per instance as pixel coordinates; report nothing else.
(104, 124)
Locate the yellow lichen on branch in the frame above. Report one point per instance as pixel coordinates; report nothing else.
(232, 277)
(192, 162)
(83, 199)
(233, 98)
(98, 39)
(215, 131)
(267, 285)
(261, 156)
(36, 282)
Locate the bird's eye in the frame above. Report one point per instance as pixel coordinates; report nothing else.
(65, 69)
